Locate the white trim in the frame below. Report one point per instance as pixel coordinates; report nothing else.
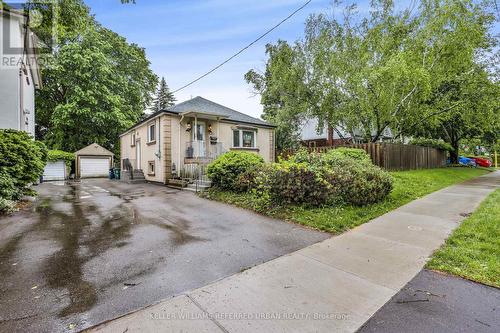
(241, 130)
(149, 132)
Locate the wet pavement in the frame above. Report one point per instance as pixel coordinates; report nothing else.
(88, 252)
(435, 302)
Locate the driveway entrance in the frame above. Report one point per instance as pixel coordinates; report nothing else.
(91, 251)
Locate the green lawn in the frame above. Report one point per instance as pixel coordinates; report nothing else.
(473, 250)
(408, 186)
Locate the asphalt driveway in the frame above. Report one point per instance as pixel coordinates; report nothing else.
(91, 251)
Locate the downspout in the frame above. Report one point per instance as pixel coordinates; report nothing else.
(179, 146)
(21, 98)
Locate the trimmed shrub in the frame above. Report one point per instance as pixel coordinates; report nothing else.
(8, 189)
(22, 161)
(227, 168)
(296, 183)
(324, 178)
(434, 143)
(246, 181)
(359, 155)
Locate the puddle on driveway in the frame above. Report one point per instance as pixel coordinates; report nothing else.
(79, 231)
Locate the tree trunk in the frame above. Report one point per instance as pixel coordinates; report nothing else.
(454, 153)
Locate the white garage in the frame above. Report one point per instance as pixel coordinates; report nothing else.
(55, 170)
(93, 161)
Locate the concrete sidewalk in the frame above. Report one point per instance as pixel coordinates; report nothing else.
(334, 285)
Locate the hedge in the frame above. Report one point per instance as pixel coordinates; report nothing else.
(316, 179)
(57, 155)
(225, 170)
(22, 161)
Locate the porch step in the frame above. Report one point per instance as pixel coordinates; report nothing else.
(201, 186)
(180, 183)
(137, 176)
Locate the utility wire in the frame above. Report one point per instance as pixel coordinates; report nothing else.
(243, 49)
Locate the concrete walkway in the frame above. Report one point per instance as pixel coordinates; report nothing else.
(332, 286)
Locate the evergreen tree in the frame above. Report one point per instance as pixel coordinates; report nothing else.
(164, 98)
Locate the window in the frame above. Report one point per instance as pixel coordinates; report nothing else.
(248, 139)
(236, 138)
(151, 168)
(151, 132)
(244, 138)
(132, 139)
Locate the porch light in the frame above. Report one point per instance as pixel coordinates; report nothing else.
(210, 129)
(188, 127)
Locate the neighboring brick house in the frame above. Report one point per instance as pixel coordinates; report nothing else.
(180, 139)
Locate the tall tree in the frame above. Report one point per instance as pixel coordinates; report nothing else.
(284, 94)
(368, 74)
(164, 98)
(96, 84)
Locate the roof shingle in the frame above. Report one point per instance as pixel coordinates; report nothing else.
(200, 104)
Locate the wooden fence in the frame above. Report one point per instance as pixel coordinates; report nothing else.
(394, 156)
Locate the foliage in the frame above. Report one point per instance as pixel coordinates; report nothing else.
(57, 155)
(434, 143)
(293, 183)
(8, 189)
(22, 161)
(472, 250)
(283, 92)
(359, 155)
(95, 86)
(226, 169)
(164, 98)
(323, 178)
(408, 71)
(408, 186)
(7, 206)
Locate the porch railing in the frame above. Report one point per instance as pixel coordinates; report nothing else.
(129, 164)
(200, 149)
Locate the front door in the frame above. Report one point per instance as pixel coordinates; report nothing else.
(138, 155)
(199, 139)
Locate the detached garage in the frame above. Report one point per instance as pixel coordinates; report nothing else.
(93, 161)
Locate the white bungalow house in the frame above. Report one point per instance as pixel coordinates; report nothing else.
(181, 140)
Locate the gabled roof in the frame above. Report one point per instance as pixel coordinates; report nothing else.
(204, 106)
(94, 149)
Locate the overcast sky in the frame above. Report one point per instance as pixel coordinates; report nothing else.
(185, 38)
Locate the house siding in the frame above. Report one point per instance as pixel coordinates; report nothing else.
(167, 148)
(148, 152)
(173, 140)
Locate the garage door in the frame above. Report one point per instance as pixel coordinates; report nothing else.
(94, 167)
(54, 171)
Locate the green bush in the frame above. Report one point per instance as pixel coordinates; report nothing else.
(295, 183)
(361, 184)
(227, 168)
(22, 161)
(8, 189)
(359, 155)
(57, 155)
(434, 143)
(323, 178)
(7, 206)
